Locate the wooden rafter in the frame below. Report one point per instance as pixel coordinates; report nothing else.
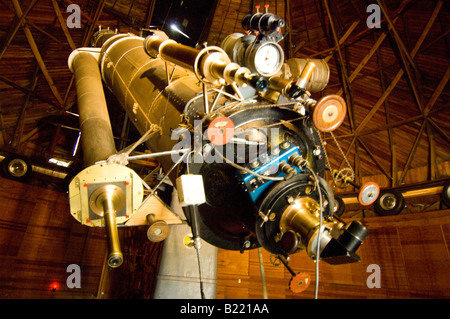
(367, 57)
(62, 22)
(26, 90)
(412, 153)
(374, 159)
(398, 39)
(437, 92)
(18, 131)
(17, 27)
(345, 81)
(394, 82)
(406, 66)
(37, 54)
(392, 145)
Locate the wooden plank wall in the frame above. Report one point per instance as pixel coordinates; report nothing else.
(412, 252)
(39, 239)
(136, 277)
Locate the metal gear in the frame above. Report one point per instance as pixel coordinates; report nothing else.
(342, 177)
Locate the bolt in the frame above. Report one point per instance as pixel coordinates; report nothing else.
(285, 144)
(254, 164)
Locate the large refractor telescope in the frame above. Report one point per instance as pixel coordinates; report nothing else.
(242, 131)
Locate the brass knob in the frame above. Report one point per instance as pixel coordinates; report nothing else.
(158, 230)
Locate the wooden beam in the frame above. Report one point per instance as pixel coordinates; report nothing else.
(90, 31)
(398, 40)
(83, 14)
(346, 84)
(54, 141)
(150, 10)
(16, 28)
(439, 129)
(433, 166)
(388, 122)
(437, 92)
(412, 153)
(288, 17)
(21, 120)
(26, 90)
(341, 41)
(44, 32)
(367, 57)
(62, 22)
(37, 55)
(374, 159)
(400, 72)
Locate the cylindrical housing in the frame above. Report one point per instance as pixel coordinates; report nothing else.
(319, 77)
(97, 139)
(178, 54)
(301, 216)
(353, 236)
(306, 75)
(140, 84)
(151, 45)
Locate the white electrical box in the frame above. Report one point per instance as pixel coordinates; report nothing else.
(190, 190)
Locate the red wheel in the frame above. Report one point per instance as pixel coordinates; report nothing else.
(220, 130)
(329, 113)
(368, 193)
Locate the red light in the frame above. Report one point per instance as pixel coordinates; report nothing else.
(54, 286)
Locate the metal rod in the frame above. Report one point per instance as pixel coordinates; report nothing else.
(285, 263)
(261, 269)
(143, 156)
(205, 98)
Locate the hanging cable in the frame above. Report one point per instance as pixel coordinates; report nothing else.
(319, 234)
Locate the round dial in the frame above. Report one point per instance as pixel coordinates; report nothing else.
(268, 58)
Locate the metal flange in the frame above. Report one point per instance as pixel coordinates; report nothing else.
(86, 189)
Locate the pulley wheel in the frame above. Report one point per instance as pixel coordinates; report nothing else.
(339, 206)
(389, 202)
(329, 113)
(368, 193)
(299, 282)
(220, 130)
(16, 167)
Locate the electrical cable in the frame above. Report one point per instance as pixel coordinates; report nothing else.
(319, 234)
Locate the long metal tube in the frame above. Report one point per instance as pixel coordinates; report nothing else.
(141, 86)
(97, 139)
(115, 256)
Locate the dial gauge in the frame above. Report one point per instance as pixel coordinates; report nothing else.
(266, 58)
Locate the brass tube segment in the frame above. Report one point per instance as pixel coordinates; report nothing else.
(302, 217)
(106, 201)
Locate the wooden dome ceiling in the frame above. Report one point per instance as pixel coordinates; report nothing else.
(393, 78)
